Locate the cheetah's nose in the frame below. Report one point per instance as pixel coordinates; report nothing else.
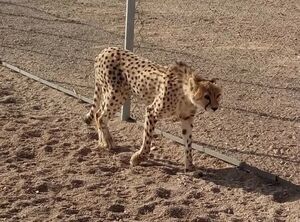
(214, 109)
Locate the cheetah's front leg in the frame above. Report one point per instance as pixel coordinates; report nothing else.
(149, 125)
(187, 126)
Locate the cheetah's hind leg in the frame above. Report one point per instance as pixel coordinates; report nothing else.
(104, 140)
(90, 116)
(108, 108)
(104, 137)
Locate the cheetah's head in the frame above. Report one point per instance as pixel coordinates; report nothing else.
(204, 93)
(201, 92)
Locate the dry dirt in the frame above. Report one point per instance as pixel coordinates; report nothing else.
(50, 166)
(52, 170)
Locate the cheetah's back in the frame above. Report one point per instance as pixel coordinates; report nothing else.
(122, 70)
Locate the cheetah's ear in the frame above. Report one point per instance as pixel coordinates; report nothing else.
(181, 64)
(179, 67)
(173, 68)
(197, 77)
(214, 80)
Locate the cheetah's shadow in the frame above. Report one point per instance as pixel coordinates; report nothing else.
(231, 177)
(120, 149)
(167, 166)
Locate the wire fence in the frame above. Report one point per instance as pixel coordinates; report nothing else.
(251, 47)
(243, 120)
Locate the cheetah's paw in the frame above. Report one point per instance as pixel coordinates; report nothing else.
(102, 145)
(190, 167)
(136, 159)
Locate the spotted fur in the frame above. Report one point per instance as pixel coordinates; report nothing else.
(174, 90)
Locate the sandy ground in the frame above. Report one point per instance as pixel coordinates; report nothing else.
(52, 170)
(253, 47)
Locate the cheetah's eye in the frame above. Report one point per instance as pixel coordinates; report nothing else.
(207, 97)
(218, 96)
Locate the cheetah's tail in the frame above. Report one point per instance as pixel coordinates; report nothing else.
(90, 116)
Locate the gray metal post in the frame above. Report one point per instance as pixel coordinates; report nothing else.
(129, 38)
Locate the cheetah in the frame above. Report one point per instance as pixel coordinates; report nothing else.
(167, 91)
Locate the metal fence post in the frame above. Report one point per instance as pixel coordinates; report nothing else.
(129, 38)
